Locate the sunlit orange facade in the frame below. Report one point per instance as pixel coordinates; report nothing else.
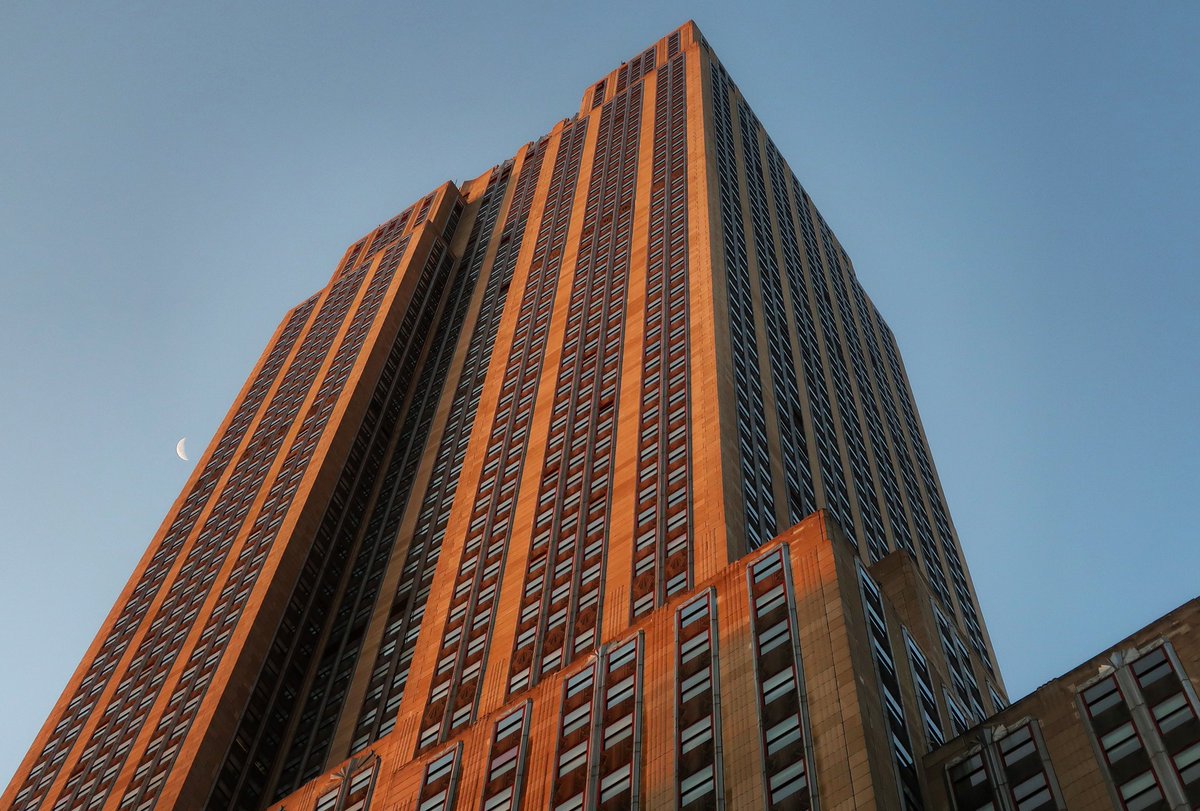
(593, 482)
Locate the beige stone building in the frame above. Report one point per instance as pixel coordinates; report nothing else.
(594, 482)
(1120, 731)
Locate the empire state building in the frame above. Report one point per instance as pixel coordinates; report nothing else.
(594, 482)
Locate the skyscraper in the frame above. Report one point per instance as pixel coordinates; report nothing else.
(516, 512)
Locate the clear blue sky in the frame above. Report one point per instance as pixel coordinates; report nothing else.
(1017, 184)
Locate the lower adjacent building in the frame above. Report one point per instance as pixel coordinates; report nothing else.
(1120, 731)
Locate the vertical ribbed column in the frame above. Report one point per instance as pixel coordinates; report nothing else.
(406, 585)
(614, 610)
(714, 449)
(754, 455)
(472, 575)
(787, 420)
(540, 324)
(662, 510)
(349, 565)
(571, 517)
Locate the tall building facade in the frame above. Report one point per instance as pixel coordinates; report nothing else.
(593, 482)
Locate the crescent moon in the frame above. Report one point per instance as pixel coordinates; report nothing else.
(180, 451)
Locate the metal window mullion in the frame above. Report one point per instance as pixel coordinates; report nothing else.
(1143, 721)
(1001, 793)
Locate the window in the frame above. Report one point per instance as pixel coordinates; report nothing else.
(998, 702)
(353, 793)
(328, 800)
(783, 738)
(358, 789)
(1173, 710)
(959, 722)
(440, 781)
(1010, 771)
(574, 740)
(619, 743)
(959, 663)
(506, 763)
(923, 681)
(697, 723)
(889, 684)
(971, 785)
(1027, 771)
(607, 742)
(1121, 746)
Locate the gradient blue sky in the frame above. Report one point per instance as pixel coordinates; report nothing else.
(1017, 184)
